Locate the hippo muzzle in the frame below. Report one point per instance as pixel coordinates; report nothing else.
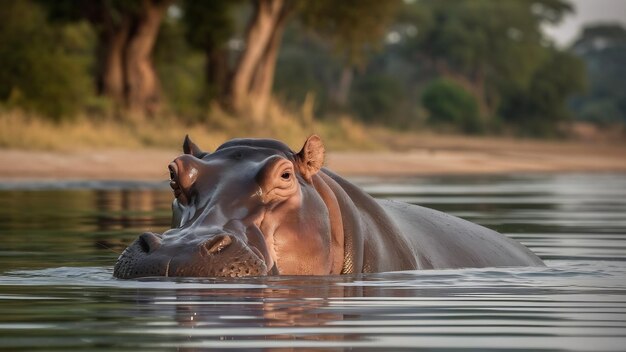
(216, 254)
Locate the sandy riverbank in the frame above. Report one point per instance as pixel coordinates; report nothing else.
(426, 155)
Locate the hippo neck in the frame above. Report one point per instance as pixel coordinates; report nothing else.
(363, 221)
(352, 256)
(337, 241)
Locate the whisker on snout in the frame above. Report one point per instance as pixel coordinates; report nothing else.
(98, 243)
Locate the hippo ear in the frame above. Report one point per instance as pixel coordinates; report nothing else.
(190, 147)
(311, 158)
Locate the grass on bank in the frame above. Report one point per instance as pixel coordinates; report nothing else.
(27, 131)
(22, 130)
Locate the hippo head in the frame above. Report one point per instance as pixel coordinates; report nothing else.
(249, 208)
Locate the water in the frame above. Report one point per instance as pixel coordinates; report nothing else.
(58, 243)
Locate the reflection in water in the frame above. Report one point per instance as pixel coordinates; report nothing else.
(566, 306)
(77, 226)
(122, 209)
(57, 293)
(273, 312)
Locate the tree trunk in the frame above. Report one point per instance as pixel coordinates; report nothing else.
(112, 37)
(259, 34)
(216, 71)
(263, 80)
(340, 96)
(111, 73)
(484, 101)
(142, 85)
(125, 72)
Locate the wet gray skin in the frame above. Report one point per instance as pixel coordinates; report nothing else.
(215, 210)
(255, 207)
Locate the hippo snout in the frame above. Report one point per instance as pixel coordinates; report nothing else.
(215, 255)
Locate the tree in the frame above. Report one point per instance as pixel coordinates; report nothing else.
(496, 51)
(247, 87)
(603, 48)
(539, 108)
(127, 31)
(355, 26)
(480, 42)
(42, 67)
(252, 79)
(208, 27)
(448, 103)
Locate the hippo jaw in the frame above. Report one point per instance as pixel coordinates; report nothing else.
(172, 255)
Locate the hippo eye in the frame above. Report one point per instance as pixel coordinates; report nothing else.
(285, 175)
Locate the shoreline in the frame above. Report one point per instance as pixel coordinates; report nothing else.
(424, 156)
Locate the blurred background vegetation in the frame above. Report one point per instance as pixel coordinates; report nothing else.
(145, 70)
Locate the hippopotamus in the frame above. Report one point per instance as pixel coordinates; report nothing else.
(255, 207)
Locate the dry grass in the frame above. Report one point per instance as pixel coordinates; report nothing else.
(92, 148)
(20, 130)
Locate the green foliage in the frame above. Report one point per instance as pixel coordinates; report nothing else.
(375, 98)
(482, 39)
(495, 49)
(499, 67)
(95, 11)
(304, 66)
(603, 47)
(401, 82)
(329, 37)
(539, 108)
(498, 49)
(180, 68)
(449, 104)
(354, 28)
(43, 68)
(208, 24)
(600, 111)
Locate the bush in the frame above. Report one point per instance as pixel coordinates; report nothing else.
(42, 67)
(375, 98)
(450, 104)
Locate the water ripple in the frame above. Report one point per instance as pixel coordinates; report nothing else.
(58, 242)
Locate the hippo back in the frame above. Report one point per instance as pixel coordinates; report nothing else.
(385, 235)
(443, 241)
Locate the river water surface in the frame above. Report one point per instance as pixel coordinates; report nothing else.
(59, 241)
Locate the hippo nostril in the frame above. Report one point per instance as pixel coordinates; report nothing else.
(149, 242)
(217, 244)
